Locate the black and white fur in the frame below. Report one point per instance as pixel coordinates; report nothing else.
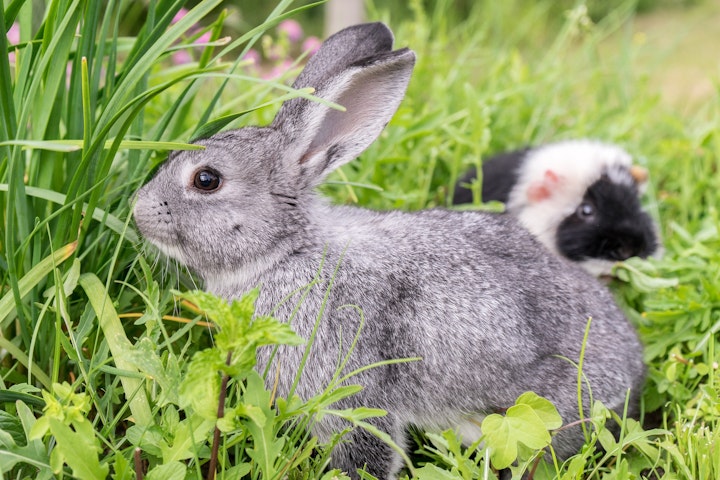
(581, 198)
(243, 212)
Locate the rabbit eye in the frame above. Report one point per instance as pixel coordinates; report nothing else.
(206, 180)
(585, 211)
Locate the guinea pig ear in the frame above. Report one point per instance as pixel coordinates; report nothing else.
(640, 174)
(317, 138)
(542, 189)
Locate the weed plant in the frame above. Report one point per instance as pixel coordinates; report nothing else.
(100, 353)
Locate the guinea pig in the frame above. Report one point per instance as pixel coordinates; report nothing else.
(581, 198)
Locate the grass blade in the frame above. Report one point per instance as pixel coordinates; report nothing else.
(32, 278)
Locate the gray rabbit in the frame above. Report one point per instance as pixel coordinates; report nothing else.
(581, 198)
(243, 212)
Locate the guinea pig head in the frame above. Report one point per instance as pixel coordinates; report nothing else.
(609, 224)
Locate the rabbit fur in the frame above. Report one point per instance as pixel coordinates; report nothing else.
(581, 198)
(500, 331)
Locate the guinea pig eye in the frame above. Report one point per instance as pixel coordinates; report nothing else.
(585, 211)
(206, 180)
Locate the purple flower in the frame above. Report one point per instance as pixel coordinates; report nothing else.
(311, 44)
(292, 29)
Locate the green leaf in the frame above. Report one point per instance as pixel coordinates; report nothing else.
(143, 356)
(641, 281)
(188, 436)
(79, 449)
(119, 345)
(543, 408)
(433, 472)
(12, 426)
(147, 439)
(267, 448)
(238, 471)
(502, 434)
(200, 388)
(168, 471)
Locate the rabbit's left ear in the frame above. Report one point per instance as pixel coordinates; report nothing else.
(318, 139)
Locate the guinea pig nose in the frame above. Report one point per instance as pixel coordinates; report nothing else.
(628, 249)
(624, 252)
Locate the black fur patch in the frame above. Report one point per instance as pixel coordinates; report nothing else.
(617, 229)
(500, 174)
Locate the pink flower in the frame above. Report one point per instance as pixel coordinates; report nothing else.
(179, 15)
(13, 34)
(275, 52)
(180, 57)
(253, 56)
(311, 44)
(292, 29)
(278, 70)
(204, 38)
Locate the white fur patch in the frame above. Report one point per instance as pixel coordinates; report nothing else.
(170, 251)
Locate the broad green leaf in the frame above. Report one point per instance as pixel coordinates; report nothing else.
(32, 454)
(200, 388)
(502, 434)
(147, 439)
(267, 447)
(11, 425)
(168, 471)
(143, 356)
(641, 281)
(238, 471)
(79, 449)
(543, 408)
(189, 435)
(433, 472)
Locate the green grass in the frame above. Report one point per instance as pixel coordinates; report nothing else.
(93, 353)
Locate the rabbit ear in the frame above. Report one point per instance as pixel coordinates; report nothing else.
(343, 49)
(320, 139)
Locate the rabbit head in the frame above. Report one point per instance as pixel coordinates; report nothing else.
(237, 205)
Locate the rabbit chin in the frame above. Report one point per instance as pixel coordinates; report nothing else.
(168, 250)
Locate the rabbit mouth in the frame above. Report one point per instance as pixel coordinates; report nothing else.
(157, 227)
(168, 250)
